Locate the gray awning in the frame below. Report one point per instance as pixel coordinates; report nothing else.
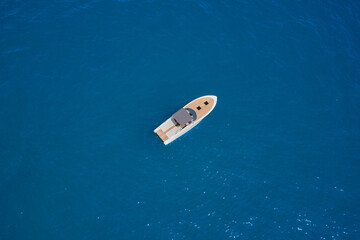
(182, 117)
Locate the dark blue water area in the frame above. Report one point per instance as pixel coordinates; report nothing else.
(83, 84)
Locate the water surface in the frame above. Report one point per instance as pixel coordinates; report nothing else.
(84, 83)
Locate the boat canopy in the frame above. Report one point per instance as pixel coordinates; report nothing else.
(182, 117)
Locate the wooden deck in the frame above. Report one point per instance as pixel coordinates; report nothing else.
(162, 135)
(201, 103)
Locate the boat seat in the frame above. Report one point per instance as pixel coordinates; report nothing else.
(172, 132)
(166, 125)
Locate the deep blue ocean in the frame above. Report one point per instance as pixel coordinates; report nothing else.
(83, 84)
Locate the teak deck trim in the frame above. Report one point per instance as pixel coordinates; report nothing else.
(162, 135)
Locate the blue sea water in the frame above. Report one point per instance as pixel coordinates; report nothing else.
(83, 84)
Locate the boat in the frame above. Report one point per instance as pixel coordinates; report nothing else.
(186, 118)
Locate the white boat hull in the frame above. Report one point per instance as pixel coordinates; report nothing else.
(168, 132)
